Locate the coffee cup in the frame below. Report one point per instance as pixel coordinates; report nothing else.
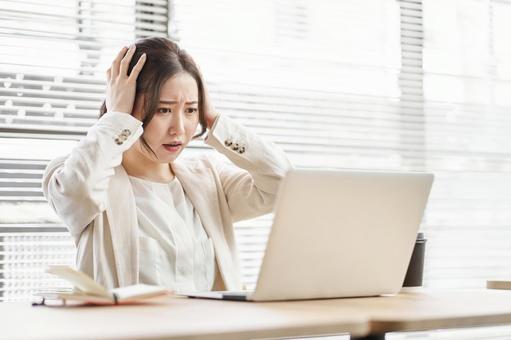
(415, 271)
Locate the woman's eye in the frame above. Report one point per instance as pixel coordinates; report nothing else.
(163, 110)
(191, 110)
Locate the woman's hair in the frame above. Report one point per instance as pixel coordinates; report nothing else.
(164, 60)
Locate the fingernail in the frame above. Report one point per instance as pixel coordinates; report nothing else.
(132, 47)
(143, 55)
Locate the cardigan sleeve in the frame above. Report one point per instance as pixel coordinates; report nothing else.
(250, 181)
(76, 185)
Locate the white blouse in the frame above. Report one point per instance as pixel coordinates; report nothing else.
(175, 250)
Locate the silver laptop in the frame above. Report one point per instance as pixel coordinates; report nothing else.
(338, 234)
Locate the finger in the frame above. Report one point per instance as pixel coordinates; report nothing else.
(109, 74)
(125, 62)
(117, 61)
(138, 67)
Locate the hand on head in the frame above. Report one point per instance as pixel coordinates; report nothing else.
(210, 113)
(120, 90)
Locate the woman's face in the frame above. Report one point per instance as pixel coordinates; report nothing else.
(175, 121)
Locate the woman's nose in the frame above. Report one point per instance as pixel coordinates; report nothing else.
(177, 124)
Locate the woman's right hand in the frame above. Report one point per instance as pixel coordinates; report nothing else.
(120, 89)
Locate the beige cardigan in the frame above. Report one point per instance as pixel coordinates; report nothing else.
(91, 192)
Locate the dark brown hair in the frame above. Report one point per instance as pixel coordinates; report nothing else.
(165, 59)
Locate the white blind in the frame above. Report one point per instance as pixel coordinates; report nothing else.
(360, 84)
(404, 85)
(467, 86)
(53, 58)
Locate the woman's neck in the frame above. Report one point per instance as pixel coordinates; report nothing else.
(138, 165)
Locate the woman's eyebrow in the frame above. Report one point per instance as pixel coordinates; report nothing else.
(174, 102)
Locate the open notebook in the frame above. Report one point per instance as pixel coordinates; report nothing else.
(86, 290)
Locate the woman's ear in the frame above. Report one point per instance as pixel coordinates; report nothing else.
(138, 107)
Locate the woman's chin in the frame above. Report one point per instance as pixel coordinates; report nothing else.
(167, 157)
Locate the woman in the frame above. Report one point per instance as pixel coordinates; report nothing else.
(137, 214)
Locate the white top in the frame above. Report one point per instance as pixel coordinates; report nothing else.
(175, 250)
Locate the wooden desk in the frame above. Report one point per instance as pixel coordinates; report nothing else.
(178, 318)
(420, 309)
(207, 319)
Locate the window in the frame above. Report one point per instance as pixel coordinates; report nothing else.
(468, 144)
(396, 85)
(52, 70)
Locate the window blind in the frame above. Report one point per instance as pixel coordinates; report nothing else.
(53, 59)
(468, 144)
(352, 84)
(396, 85)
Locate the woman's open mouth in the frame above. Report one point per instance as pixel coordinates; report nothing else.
(173, 147)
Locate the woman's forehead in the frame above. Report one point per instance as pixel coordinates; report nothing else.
(181, 87)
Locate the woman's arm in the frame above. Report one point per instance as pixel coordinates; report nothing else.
(76, 185)
(251, 181)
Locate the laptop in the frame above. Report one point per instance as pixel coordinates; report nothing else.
(338, 234)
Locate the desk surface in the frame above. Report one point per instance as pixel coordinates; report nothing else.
(209, 319)
(177, 318)
(421, 309)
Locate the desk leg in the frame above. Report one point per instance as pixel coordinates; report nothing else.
(370, 337)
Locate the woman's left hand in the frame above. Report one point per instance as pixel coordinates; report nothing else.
(210, 114)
